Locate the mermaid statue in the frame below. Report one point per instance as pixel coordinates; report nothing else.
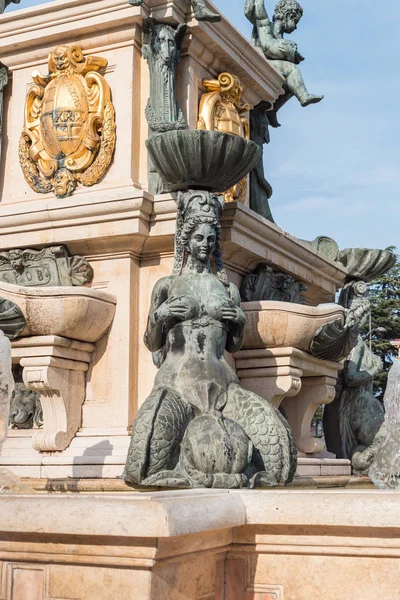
(199, 427)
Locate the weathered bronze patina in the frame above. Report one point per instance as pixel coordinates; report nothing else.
(354, 421)
(283, 53)
(199, 427)
(47, 267)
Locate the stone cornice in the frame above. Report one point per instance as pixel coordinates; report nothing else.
(27, 35)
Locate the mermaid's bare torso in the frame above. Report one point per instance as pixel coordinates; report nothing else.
(195, 349)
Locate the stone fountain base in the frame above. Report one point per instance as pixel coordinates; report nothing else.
(200, 545)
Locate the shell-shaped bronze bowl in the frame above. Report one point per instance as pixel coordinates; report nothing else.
(197, 159)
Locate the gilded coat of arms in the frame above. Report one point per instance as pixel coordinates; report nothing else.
(69, 130)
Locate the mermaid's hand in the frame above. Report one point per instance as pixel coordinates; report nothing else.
(181, 309)
(231, 312)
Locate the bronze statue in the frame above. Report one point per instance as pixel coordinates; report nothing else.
(283, 53)
(161, 46)
(199, 427)
(352, 423)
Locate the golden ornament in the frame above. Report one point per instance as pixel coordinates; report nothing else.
(221, 110)
(69, 130)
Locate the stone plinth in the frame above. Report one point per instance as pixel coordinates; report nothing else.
(200, 545)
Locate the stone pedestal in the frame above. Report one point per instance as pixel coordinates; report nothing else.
(200, 545)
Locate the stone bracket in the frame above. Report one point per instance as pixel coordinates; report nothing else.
(301, 410)
(294, 378)
(55, 368)
(277, 384)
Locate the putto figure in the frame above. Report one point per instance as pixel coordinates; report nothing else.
(199, 427)
(284, 53)
(201, 12)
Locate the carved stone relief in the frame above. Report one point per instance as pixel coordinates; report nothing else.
(47, 267)
(267, 284)
(25, 407)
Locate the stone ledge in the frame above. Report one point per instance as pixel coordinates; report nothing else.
(148, 515)
(176, 513)
(117, 485)
(322, 508)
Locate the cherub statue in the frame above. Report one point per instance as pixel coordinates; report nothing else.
(283, 53)
(5, 3)
(201, 12)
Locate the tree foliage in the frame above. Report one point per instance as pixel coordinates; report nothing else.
(385, 322)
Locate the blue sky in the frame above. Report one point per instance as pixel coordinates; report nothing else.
(335, 166)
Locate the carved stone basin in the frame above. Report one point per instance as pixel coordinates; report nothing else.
(208, 160)
(73, 312)
(281, 324)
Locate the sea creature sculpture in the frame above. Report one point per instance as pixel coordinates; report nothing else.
(199, 427)
(353, 422)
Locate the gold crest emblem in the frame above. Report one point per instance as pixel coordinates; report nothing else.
(69, 129)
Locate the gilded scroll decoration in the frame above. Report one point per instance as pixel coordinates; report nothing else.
(221, 109)
(69, 129)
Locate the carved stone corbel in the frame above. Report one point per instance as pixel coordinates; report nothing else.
(293, 378)
(272, 383)
(55, 368)
(301, 410)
